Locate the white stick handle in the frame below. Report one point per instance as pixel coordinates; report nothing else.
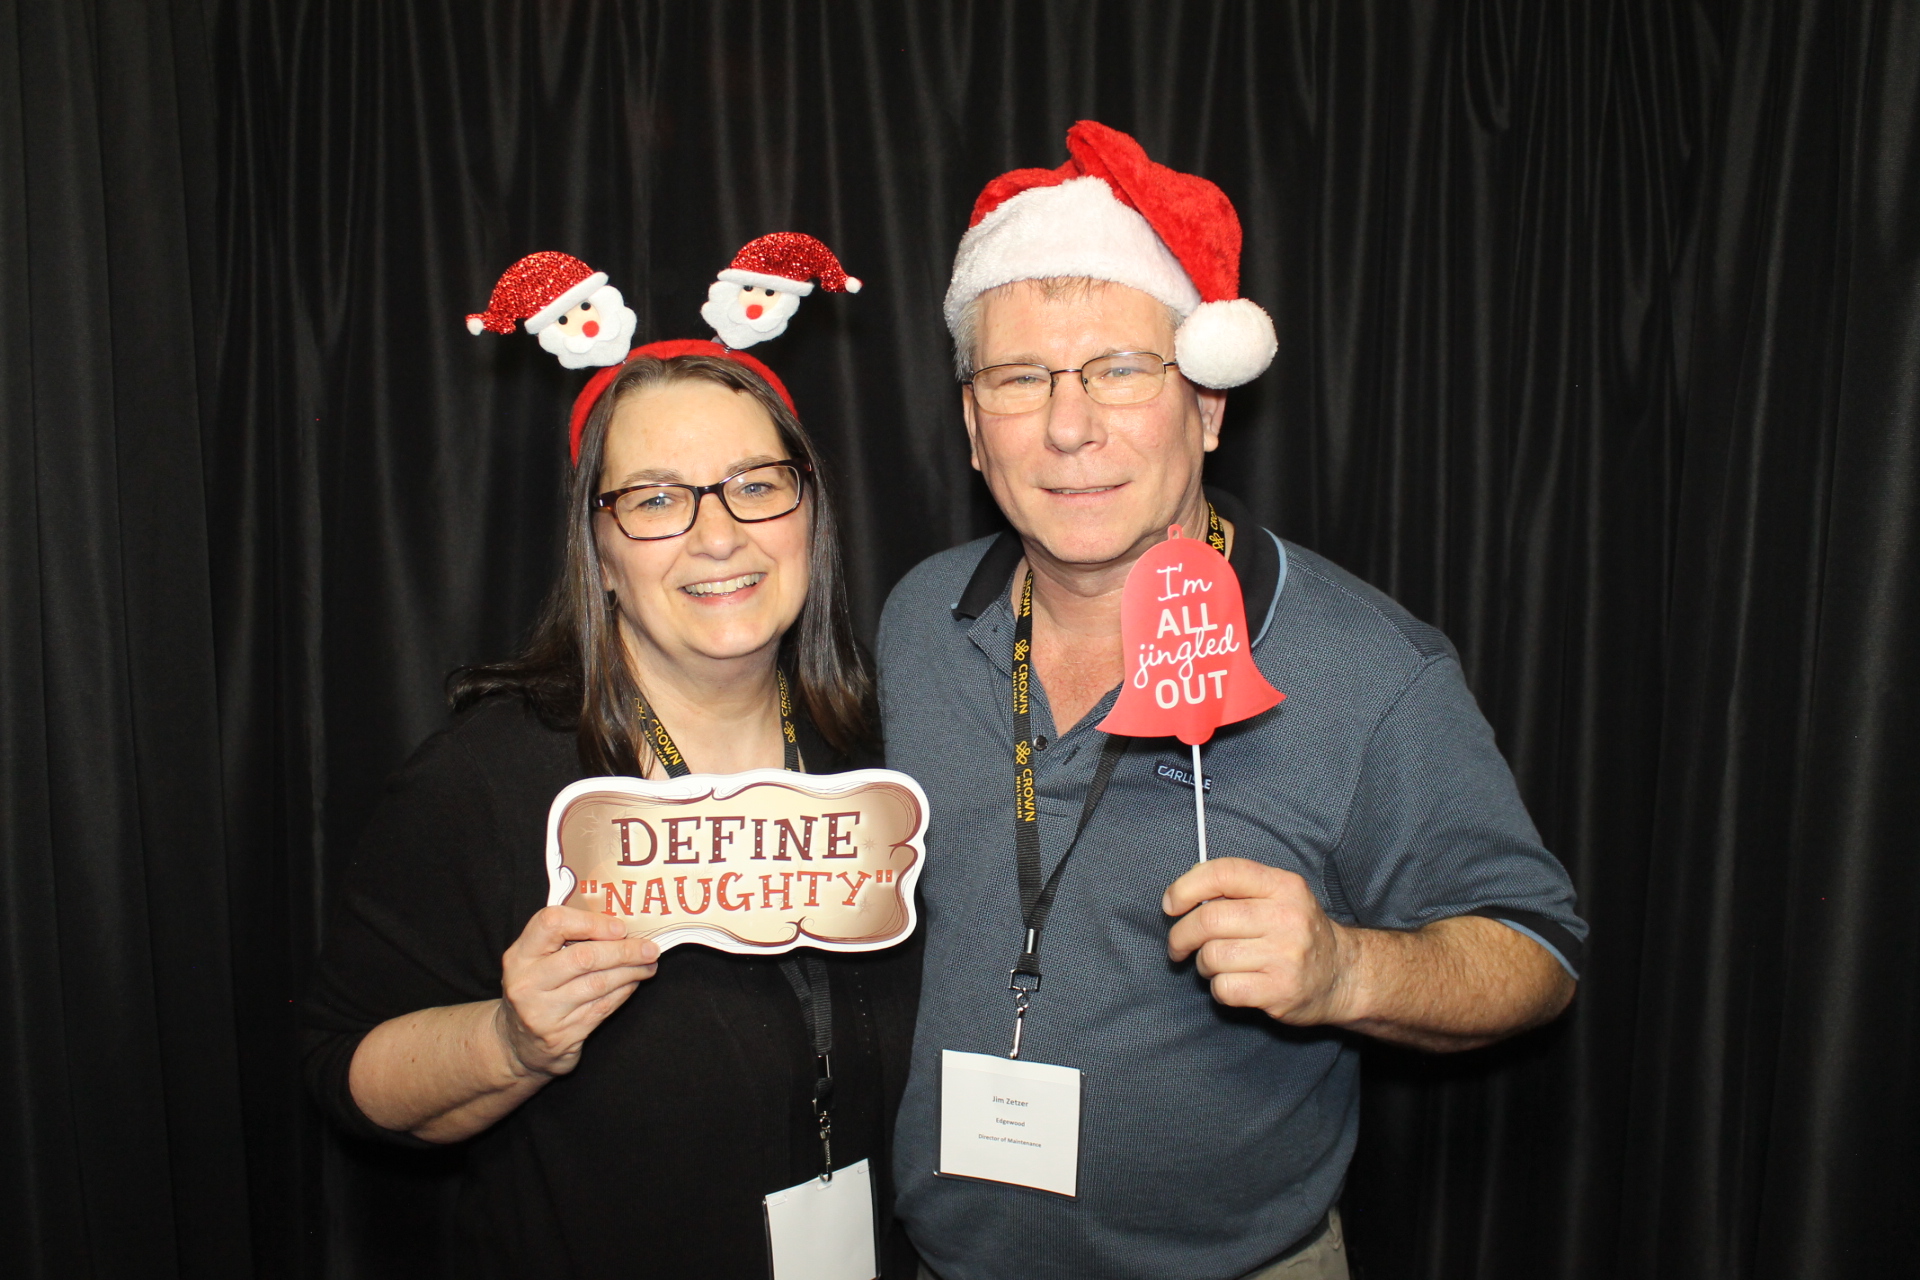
(1199, 803)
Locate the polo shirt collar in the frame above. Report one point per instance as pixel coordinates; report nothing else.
(1255, 560)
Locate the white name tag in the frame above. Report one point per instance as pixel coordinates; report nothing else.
(1008, 1121)
(824, 1230)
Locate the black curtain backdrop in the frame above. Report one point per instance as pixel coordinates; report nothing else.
(1600, 347)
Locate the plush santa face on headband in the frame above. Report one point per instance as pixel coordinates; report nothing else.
(597, 332)
(566, 304)
(753, 299)
(745, 314)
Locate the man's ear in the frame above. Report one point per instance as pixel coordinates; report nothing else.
(1213, 410)
(968, 412)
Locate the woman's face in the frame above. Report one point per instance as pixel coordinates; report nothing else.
(723, 590)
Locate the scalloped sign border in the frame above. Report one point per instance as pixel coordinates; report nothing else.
(754, 863)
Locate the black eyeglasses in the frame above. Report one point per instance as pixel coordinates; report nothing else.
(646, 512)
(1126, 377)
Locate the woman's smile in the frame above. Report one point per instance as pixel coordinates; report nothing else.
(723, 588)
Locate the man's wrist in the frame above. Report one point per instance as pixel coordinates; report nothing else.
(1349, 1000)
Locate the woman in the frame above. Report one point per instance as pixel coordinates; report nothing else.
(625, 1113)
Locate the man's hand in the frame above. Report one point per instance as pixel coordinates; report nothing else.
(1258, 934)
(560, 979)
(1262, 940)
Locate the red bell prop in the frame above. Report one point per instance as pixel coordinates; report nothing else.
(1183, 629)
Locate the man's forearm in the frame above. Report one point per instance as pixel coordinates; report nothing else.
(1455, 984)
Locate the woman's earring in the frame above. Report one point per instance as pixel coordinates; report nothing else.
(613, 601)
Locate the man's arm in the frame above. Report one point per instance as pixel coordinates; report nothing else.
(1259, 934)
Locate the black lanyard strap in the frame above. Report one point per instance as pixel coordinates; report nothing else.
(1036, 899)
(1036, 896)
(807, 974)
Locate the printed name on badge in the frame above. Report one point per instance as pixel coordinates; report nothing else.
(1003, 1120)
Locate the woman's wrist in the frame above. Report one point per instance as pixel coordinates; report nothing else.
(514, 1069)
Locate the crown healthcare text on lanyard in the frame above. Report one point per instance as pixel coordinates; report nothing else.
(1004, 1119)
(823, 1228)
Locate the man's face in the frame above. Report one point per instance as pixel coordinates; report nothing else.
(1090, 483)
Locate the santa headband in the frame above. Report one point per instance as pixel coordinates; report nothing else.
(1110, 213)
(599, 382)
(583, 321)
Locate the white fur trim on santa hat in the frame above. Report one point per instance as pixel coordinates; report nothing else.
(565, 302)
(1077, 229)
(760, 280)
(1225, 344)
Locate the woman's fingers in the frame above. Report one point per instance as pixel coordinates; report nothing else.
(556, 970)
(552, 928)
(588, 987)
(560, 979)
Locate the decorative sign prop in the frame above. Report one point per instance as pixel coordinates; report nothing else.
(1183, 633)
(756, 863)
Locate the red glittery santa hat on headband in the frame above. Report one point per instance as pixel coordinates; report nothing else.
(538, 289)
(1110, 213)
(785, 262)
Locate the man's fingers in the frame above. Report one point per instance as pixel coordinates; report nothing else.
(1221, 918)
(1228, 955)
(1223, 878)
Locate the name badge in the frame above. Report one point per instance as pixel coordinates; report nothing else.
(824, 1230)
(1002, 1120)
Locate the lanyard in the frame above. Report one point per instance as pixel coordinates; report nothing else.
(1036, 897)
(807, 974)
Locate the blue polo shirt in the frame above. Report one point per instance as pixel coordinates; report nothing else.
(1212, 1139)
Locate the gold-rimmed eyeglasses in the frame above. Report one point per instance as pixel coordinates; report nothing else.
(646, 512)
(1126, 377)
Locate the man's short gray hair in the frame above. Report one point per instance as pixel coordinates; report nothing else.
(966, 330)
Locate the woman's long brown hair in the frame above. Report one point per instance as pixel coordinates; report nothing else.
(574, 671)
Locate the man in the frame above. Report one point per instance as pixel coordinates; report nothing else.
(1374, 870)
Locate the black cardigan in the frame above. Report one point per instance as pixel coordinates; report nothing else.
(690, 1102)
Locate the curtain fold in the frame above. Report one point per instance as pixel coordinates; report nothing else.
(119, 1125)
(1600, 336)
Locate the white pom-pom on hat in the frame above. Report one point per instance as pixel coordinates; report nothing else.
(1225, 344)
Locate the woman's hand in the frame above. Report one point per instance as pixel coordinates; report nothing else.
(560, 979)
(447, 1073)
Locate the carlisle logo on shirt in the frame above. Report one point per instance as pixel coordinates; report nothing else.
(1174, 773)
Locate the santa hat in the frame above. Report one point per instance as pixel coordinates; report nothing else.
(787, 261)
(1110, 213)
(597, 385)
(539, 289)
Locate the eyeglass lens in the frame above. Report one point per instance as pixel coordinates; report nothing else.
(1132, 377)
(664, 510)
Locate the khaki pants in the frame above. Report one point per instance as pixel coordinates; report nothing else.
(1324, 1259)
